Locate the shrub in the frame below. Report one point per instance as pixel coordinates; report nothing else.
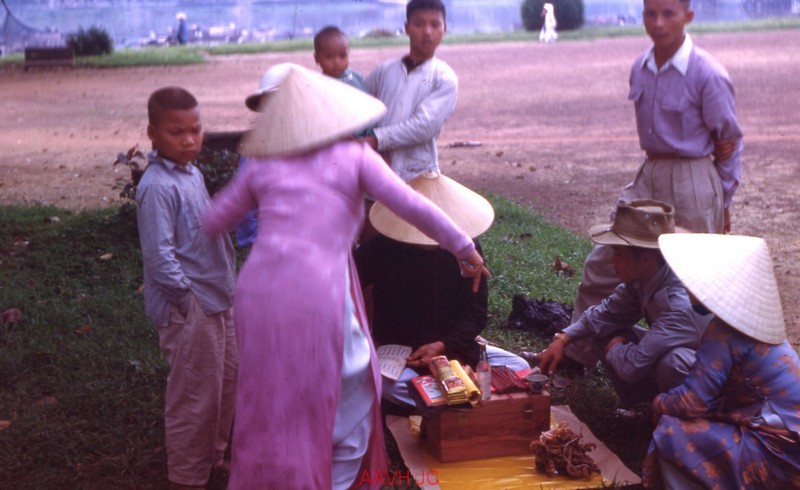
(92, 42)
(217, 167)
(569, 14)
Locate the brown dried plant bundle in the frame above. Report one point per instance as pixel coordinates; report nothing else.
(560, 451)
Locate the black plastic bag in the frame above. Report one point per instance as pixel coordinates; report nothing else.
(542, 317)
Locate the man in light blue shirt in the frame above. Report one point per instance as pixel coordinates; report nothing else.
(687, 125)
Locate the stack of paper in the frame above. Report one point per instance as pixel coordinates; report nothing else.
(392, 359)
(473, 393)
(452, 386)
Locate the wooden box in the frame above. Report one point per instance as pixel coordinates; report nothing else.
(505, 425)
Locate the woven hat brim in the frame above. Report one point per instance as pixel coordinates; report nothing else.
(733, 276)
(269, 82)
(468, 209)
(253, 101)
(309, 111)
(604, 235)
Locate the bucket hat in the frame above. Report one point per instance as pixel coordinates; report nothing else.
(732, 275)
(469, 210)
(637, 223)
(308, 111)
(270, 80)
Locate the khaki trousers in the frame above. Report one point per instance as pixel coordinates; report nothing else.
(201, 389)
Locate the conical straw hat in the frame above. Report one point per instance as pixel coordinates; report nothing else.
(469, 210)
(309, 111)
(269, 83)
(733, 277)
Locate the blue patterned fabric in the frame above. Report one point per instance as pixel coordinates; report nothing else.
(735, 421)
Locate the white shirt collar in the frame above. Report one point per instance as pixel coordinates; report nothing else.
(679, 60)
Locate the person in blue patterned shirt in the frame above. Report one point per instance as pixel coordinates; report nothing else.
(735, 420)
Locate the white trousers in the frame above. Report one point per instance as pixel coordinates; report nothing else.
(352, 426)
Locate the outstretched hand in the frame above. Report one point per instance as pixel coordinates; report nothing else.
(473, 267)
(551, 357)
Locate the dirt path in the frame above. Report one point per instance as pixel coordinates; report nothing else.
(556, 129)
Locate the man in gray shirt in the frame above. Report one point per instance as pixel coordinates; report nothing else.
(640, 362)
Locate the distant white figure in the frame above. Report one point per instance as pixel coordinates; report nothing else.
(548, 33)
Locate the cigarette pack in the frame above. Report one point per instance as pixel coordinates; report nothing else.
(428, 389)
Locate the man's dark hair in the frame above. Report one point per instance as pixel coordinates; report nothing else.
(168, 99)
(324, 33)
(415, 5)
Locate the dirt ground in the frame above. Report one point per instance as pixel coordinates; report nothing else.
(556, 129)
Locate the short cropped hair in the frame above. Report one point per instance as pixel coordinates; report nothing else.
(415, 5)
(168, 99)
(326, 33)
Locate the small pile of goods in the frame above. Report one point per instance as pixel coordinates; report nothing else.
(560, 451)
(486, 427)
(457, 384)
(505, 380)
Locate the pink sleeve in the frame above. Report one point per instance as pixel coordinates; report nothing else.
(380, 182)
(230, 205)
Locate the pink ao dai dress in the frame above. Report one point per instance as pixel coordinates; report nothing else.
(290, 306)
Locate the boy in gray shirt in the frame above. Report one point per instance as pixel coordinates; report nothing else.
(188, 291)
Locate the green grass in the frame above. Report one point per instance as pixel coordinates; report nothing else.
(82, 376)
(283, 46)
(520, 248)
(168, 55)
(12, 59)
(181, 55)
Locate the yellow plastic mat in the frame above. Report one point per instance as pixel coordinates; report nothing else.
(503, 473)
